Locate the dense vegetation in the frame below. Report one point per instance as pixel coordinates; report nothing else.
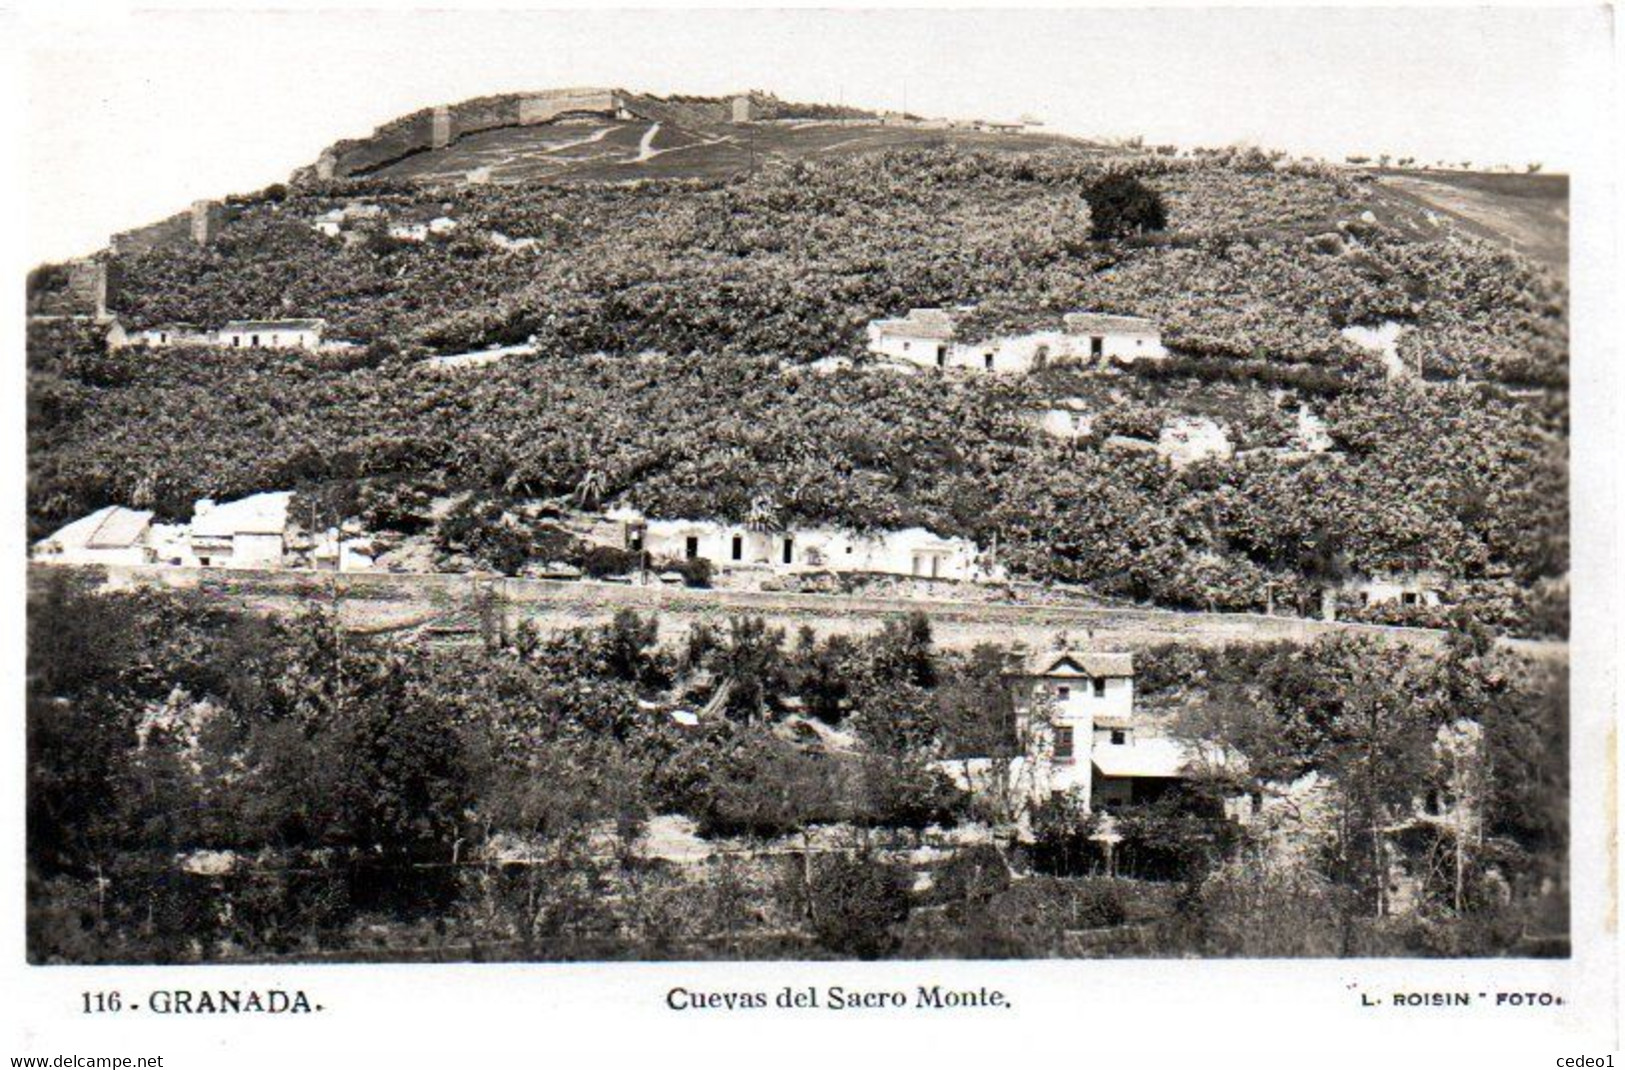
(1257, 259)
(663, 312)
(1464, 480)
(204, 784)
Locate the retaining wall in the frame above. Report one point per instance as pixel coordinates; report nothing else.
(385, 602)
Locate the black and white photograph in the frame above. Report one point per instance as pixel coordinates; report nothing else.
(811, 488)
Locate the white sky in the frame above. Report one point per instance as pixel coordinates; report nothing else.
(131, 117)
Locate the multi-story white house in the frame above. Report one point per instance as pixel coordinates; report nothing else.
(909, 552)
(1075, 718)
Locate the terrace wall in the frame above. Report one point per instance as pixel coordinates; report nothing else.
(388, 602)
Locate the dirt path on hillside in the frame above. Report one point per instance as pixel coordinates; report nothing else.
(448, 604)
(646, 149)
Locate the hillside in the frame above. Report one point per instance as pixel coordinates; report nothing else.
(1527, 213)
(671, 316)
(598, 135)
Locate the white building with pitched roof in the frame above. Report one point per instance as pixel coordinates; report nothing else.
(1075, 717)
(250, 532)
(1127, 338)
(238, 334)
(112, 535)
(925, 337)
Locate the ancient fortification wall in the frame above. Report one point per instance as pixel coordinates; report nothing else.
(545, 107)
(165, 233)
(437, 127)
(81, 289)
(393, 141)
(199, 225)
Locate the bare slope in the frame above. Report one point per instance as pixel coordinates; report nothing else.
(1527, 213)
(599, 150)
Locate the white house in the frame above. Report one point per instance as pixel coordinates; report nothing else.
(272, 334)
(1015, 352)
(1075, 718)
(929, 338)
(112, 535)
(266, 334)
(925, 337)
(251, 532)
(910, 552)
(1062, 698)
(1406, 589)
(170, 334)
(1075, 726)
(1126, 338)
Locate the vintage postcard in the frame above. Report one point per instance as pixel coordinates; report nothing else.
(1093, 526)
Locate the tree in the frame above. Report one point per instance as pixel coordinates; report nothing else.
(750, 661)
(821, 673)
(628, 644)
(904, 792)
(902, 651)
(402, 781)
(1120, 206)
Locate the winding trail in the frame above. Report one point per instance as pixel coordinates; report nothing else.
(646, 149)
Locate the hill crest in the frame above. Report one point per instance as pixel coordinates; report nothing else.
(596, 133)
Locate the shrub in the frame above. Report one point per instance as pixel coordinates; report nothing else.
(696, 571)
(1097, 904)
(972, 874)
(601, 561)
(858, 903)
(1121, 205)
(1257, 909)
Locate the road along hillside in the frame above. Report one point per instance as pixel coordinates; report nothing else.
(463, 608)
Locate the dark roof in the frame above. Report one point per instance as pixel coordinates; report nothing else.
(1077, 663)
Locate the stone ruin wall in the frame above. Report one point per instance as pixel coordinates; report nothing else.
(84, 293)
(199, 225)
(437, 127)
(545, 107)
(165, 233)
